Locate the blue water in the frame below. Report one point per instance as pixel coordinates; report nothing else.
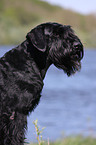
(68, 104)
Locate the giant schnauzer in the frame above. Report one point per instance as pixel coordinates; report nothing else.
(23, 69)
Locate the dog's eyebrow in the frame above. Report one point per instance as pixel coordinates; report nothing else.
(47, 31)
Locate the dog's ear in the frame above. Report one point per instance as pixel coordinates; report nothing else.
(37, 38)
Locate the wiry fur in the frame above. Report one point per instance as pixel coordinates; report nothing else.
(23, 69)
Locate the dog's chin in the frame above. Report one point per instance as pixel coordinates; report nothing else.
(73, 69)
(70, 69)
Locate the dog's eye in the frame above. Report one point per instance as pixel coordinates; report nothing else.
(77, 46)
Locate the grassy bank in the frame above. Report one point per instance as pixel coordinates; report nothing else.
(79, 140)
(70, 140)
(17, 17)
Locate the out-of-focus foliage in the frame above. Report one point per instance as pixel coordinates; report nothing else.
(78, 140)
(17, 17)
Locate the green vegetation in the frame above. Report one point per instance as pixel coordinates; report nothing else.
(79, 140)
(71, 140)
(18, 17)
(38, 133)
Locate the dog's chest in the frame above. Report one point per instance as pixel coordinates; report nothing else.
(26, 80)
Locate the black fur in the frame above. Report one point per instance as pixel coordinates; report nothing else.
(23, 69)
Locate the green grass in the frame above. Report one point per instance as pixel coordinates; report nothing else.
(78, 140)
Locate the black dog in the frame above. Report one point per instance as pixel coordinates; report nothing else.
(23, 69)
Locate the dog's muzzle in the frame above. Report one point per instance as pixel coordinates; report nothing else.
(78, 50)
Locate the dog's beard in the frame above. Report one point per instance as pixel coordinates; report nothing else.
(68, 60)
(70, 67)
(69, 64)
(73, 68)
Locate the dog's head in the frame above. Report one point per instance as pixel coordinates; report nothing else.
(58, 44)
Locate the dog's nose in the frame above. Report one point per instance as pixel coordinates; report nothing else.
(79, 50)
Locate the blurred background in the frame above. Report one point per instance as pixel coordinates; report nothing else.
(68, 105)
(17, 17)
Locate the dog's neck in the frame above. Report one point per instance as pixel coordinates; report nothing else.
(39, 60)
(43, 71)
